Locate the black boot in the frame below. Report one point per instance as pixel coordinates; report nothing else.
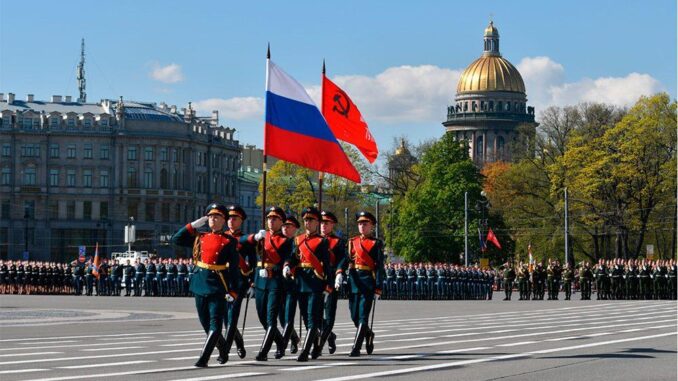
(240, 344)
(358, 341)
(311, 337)
(210, 342)
(266, 344)
(223, 350)
(369, 341)
(332, 343)
(318, 349)
(294, 342)
(280, 345)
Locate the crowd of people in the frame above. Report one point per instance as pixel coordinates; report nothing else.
(612, 279)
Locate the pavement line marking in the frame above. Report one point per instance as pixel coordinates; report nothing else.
(516, 344)
(22, 371)
(127, 373)
(107, 364)
(312, 367)
(462, 350)
(108, 349)
(87, 345)
(124, 338)
(30, 354)
(222, 376)
(493, 358)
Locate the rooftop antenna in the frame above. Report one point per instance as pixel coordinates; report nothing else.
(80, 74)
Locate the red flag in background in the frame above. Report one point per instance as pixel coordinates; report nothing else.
(345, 120)
(493, 238)
(97, 262)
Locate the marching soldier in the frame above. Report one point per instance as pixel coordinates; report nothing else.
(215, 278)
(568, 276)
(509, 278)
(172, 272)
(151, 271)
(247, 261)
(290, 296)
(585, 280)
(366, 267)
(673, 272)
(337, 267)
(139, 275)
(411, 281)
(182, 273)
(128, 273)
(631, 280)
(275, 250)
(311, 256)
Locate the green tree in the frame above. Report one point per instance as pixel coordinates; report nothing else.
(428, 220)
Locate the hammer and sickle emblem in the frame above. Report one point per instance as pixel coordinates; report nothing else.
(341, 107)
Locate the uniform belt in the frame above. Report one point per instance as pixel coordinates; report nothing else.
(207, 266)
(182, 273)
(149, 273)
(266, 265)
(363, 267)
(306, 265)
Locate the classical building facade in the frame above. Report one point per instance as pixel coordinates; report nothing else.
(76, 173)
(490, 105)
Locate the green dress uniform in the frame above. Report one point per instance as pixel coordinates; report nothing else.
(365, 272)
(568, 276)
(312, 258)
(509, 278)
(585, 280)
(338, 263)
(247, 261)
(275, 250)
(215, 275)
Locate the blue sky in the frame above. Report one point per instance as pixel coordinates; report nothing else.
(398, 60)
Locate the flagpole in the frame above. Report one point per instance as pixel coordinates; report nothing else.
(321, 174)
(264, 166)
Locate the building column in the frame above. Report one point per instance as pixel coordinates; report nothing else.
(494, 151)
(484, 147)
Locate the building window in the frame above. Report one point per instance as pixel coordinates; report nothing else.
(175, 157)
(70, 177)
(28, 123)
(105, 152)
(163, 154)
(54, 151)
(148, 178)
(103, 122)
(30, 150)
(131, 177)
(150, 211)
(103, 178)
(148, 153)
(53, 209)
(87, 178)
(87, 210)
(164, 182)
(131, 153)
(87, 153)
(132, 209)
(29, 209)
(29, 176)
(165, 211)
(4, 212)
(70, 210)
(87, 123)
(70, 151)
(103, 210)
(177, 212)
(6, 176)
(71, 123)
(6, 150)
(54, 177)
(54, 122)
(479, 147)
(175, 184)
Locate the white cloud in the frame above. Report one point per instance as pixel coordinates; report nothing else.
(167, 74)
(401, 94)
(545, 85)
(238, 108)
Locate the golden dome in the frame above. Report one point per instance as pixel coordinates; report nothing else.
(491, 73)
(402, 149)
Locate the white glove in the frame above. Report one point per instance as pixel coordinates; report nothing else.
(199, 222)
(260, 235)
(250, 292)
(287, 272)
(338, 281)
(229, 298)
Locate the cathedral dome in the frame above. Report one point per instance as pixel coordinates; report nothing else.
(491, 72)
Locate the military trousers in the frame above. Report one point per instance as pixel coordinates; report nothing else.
(268, 306)
(210, 311)
(311, 307)
(360, 306)
(330, 311)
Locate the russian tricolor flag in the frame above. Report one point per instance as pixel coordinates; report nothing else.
(296, 130)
